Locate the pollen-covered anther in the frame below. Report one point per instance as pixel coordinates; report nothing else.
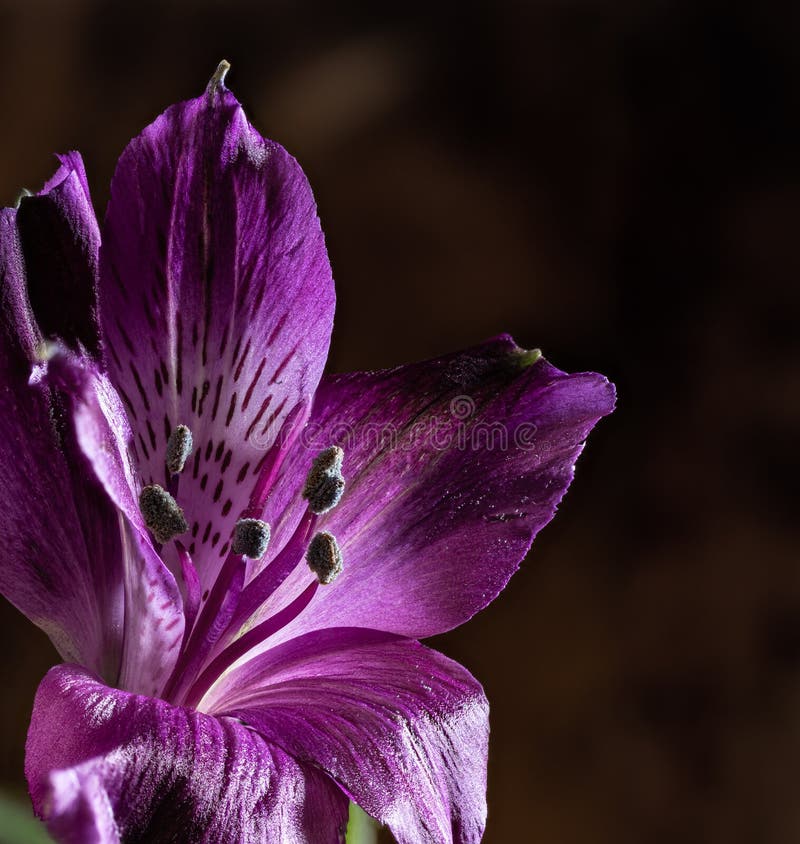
(251, 538)
(179, 447)
(325, 484)
(324, 557)
(162, 515)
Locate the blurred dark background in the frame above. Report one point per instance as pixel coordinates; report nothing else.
(615, 182)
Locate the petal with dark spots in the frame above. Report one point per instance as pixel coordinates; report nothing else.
(216, 301)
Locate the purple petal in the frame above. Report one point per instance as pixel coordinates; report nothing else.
(101, 428)
(69, 563)
(79, 808)
(192, 588)
(154, 620)
(62, 553)
(452, 467)
(19, 335)
(106, 766)
(401, 728)
(216, 303)
(60, 240)
(61, 543)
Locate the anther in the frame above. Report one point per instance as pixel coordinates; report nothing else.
(162, 515)
(179, 447)
(324, 557)
(325, 484)
(250, 538)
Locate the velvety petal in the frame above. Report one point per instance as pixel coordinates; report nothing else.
(401, 728)
(154, 620)
(60, 240)
(101, 428)
(20, 335)
(216, 303)
(106, 766)
(69, 563)
(62, 553)
(452, 466)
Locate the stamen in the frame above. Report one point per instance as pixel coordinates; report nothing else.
(325, 484)
(247, 641)
(251, 538)
(162, 515)
(265, 583)
(179, 447)
(324, 557)
(212, 621)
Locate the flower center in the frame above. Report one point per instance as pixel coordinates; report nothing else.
(230, 619)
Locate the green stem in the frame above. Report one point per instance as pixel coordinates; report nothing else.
(361, 829)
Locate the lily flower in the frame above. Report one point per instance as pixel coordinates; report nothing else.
(234, 555)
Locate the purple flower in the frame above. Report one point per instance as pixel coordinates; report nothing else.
(233, 555)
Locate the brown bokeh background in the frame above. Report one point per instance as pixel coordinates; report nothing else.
(616, 182)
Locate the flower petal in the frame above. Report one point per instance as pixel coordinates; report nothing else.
(106, 766)
(20, 335)
(60, 240)
(68, 562)
(154, 620)
(401, 728)
(216, 303)
(71, 564)
(452, 467)
(61, 544)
